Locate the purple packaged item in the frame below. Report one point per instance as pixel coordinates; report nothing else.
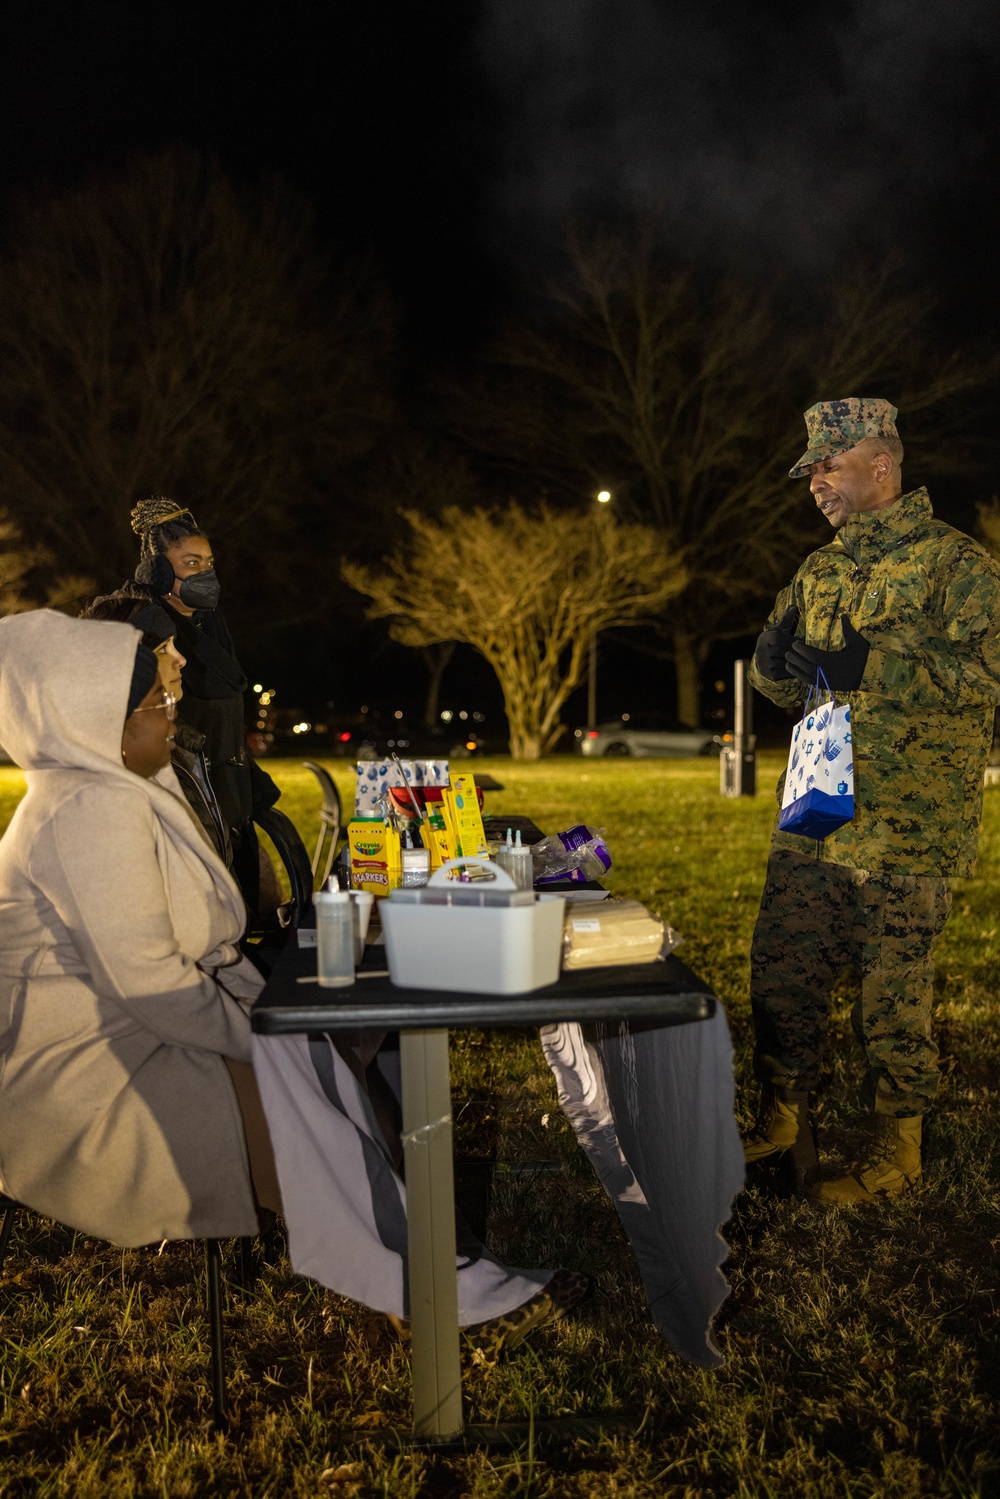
(576, 856)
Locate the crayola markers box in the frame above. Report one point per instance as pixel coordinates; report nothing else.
(375, 858)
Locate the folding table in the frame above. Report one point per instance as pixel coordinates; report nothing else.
(661, 993)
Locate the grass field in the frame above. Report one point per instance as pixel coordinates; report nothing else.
(862, 1349)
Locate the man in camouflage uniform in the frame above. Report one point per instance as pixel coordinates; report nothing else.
(902, 614)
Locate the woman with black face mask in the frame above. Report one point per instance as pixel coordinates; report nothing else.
(177, 567)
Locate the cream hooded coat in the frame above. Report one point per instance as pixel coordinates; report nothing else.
(120, 978)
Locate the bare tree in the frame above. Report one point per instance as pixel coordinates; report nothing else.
(684, 397)
(437, 659)
(28, 579)
(528, 590)
(414, 473)
(165, 331)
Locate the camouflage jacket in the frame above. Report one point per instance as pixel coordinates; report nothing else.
(927, 599)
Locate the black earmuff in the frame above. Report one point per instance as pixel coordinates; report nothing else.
(156, 574)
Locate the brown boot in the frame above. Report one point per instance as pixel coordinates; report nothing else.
(783, 1137)
(892, 1165)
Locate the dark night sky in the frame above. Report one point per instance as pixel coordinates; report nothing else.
(380, 113)
(448, 139)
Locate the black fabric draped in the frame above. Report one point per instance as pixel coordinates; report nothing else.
(212, 670)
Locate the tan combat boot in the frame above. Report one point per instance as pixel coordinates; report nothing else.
(892, 1165)
(783, 1137)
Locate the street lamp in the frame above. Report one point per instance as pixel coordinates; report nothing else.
(603, 498)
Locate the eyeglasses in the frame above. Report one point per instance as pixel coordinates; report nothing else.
(168, 706)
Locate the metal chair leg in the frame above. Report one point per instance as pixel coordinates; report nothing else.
(213, 1272)
(213, 1261)
(6, 1226)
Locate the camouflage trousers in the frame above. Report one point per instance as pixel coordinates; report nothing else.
(816, 919)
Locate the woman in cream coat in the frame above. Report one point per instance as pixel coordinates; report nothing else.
(124, 1040)
(122, 990)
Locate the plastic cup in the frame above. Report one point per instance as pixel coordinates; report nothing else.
(361, 910)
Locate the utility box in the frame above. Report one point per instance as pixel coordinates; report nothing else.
(738, 760)
(737, 772)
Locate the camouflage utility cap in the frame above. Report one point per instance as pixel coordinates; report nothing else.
(835, 426)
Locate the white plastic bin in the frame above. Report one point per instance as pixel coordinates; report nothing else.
(485, 938)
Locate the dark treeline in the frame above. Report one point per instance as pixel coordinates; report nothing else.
(165, 331)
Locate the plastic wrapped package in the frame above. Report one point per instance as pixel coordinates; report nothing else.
(618, 930)
(578, 855)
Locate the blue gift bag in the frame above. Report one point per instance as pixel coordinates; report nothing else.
(818, 796)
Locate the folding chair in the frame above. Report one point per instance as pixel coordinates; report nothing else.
(294, 856)
(213, 1275)
(329, 823)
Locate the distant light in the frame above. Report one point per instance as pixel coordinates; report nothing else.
(398, 713)
(626, 717)
(593, 734)
(604, 497)
(364, 707)
(344, 737)
(720, 686)
(578, 733)
(258, 687)
(447, 715)
(479, 717)
(463, 714)
(470, 744)
(321, 728)
(301, 728)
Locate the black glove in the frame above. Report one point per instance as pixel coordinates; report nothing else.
(774, 644)
(843, 669)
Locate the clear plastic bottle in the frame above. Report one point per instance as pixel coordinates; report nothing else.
(519, 865)
(503, 853)
(334, 938)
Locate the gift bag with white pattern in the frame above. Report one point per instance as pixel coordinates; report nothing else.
(376, 776)
(818, 796)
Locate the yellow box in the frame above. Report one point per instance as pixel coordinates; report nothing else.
(465, 822)
(375, 858)
(439, 840)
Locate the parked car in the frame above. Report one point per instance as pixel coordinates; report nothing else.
(446, 743)
(645, 736)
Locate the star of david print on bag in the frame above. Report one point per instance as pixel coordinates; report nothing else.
(819, 783)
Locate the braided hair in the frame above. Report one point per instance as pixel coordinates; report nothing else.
(159, 522)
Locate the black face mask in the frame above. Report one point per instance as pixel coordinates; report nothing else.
(201, 590)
